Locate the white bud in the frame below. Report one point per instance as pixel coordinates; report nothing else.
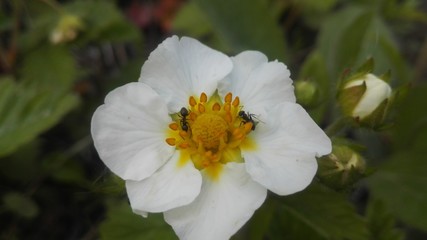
(377, 90)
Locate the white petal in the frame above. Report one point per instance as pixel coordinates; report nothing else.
(286, 146)
(258, 83)
(172, 186)
(377, 90)
(178, 69)
(222, 207)
(129, 131)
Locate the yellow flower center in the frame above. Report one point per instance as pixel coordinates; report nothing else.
(211, 133)
(208, 129)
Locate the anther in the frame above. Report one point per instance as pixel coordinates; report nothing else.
(236, 131)
(208, 154)
(236, 102)
(171, 141)
(184, 145)
(173, 126)
(248, 127)
(228, 97)
(216, 107)
(183, 134)
(206, 163)
(193, 116)
(228, 117)
(227, 107)
(203, 97)
(201, 108)
(192, 101)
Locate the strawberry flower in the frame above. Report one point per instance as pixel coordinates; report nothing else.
(201, 137)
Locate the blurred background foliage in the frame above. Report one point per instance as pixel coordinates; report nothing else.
(58, 60)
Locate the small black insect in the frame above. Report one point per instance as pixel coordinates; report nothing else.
(183, 113)
(248, 117)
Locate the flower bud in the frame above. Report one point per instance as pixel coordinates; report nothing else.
(342, 168)
(365, 99)
(307, 93)
(66, 29)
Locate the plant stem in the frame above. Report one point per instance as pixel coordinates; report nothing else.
(336, 126)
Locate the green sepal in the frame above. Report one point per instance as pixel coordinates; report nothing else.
(349, 76)
(376, 119)
(386, 76)
(367, 66)
(342, 168)
(350, 97)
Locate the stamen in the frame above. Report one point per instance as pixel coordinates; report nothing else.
(193, 116)
(239, 135)
(206, 163)
(173, 126)
(192, 101)
(248, 127)
(236, 131)
(171, 141)
(184, 145)
(227, 107)
(228, 117)
(216, 107)
(201, 108)
(208, 154)
(228, 97)
(183, 134)
(203, 97)
(236, 101)
(211, 132)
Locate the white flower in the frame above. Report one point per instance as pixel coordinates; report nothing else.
(201, 137)
(377, 90)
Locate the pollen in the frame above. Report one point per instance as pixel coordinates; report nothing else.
(209, 129)
(211, 132)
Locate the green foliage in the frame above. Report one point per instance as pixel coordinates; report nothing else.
(314, 69)
(320, 213)
(244, 26)
(123, 224)
(405, 171)
(103, 22)
(354, 34)
(50, 172)
(20, 204)
(410, 129)
(191, 21)
(25, 112)
(49, 66)
(381, 223)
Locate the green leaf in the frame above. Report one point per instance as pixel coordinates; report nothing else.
(246, 25)
(400, 184)
(354, 34)
(22, 166)
(49, 66)
(27, 111)
(41, 22)
(103, 22)
(191, 21)
(314, 69)
(20, 204)
(320, 213)
(122, 224)
(65, 170)
(259, 224)
(410, 129)
(381, 223)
